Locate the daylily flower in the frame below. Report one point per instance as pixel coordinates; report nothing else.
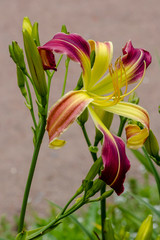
(103, 91)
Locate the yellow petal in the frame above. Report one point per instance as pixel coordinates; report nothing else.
(103, 57)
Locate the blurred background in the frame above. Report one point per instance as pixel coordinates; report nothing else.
(59, 173)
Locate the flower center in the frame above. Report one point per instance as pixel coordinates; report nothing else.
(118, 76)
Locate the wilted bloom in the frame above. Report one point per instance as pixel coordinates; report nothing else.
(103, 91)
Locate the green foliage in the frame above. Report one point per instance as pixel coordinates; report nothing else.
(124, 216)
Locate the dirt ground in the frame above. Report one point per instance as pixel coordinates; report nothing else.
(59, 173)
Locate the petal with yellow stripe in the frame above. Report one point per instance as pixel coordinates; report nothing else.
(115, 161)
(74, 46)
(64, 113)
(103, 57)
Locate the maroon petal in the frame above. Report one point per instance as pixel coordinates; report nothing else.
(115, 161)
(133, 61)
(48, 59)
(73, 45)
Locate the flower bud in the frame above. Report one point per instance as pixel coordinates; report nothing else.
(64, 29)
(16, 54)
(34, 59)
(133, 98)
(82, 119)
(97, 185)
(35, 34)
(21, 78)
(145, 230)
(95, 168)
(151, 145)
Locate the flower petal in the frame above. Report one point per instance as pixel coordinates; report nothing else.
(132, 68)
(48, 59)
(133, 61)
(135, 135)
(75, 47)
(63, 113)
(103, 57)
(115, 161)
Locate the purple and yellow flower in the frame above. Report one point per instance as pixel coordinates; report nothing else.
(103, 91)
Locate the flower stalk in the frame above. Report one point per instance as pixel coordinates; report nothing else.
(31, 171)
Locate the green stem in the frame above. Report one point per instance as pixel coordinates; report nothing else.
(65, 77)
(69, 202)
(31, 104)
(103, 212)
(155, 173)
(31, 172)
(50, 78)
(94, 155)
(121, 126)
(103, 201)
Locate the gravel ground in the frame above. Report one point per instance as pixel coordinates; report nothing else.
(59, 173)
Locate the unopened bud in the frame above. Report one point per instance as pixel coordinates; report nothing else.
(151, 145)
(94, 170)
(145, 230)
(64, 29)
(16, 54)
(79, 83)
(97, 185)
(34, 59)
(82, 119)
(35, 34)
(21, 78)
(133, 98)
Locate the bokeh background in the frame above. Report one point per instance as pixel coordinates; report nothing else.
(60, 172)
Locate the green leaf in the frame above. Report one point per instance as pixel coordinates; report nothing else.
(147, 204)
(74, 219)
(142, 159)
(130, 216)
